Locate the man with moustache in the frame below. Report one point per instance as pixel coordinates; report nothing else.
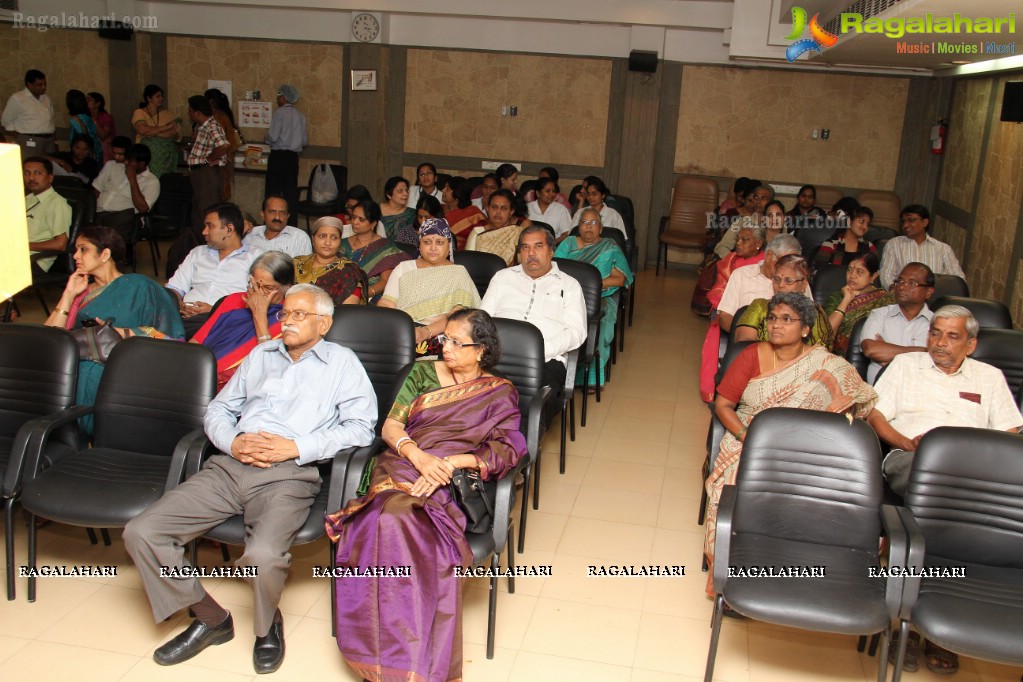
(213, 271)
(48, 214)
(538, 292)
(275, 234)
(915, 245)
(903, 326)
(293, 403)
(29, 116)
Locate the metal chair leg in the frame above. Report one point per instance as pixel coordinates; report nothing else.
(332, 562)
(225, 553)
(9, 542)
(522, 513)
(32, 556)
(105, 533)
(536, 479)
(92, 536)
(492, 615)
(715, 633)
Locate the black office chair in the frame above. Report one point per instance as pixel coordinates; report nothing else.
(590, 280)
(808, 494)
(989, 314)
(1002, 348)
(308, 207)
(829, 279)
(149, 411)
(142, 231)
(950, 285)
(522, 361)
(482, 266)
(854, 354)
(172, 212)
(38, 372)
(73, 189)
(966, 513)
(64, 263)
(623, 294)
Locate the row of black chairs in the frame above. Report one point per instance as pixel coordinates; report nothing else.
(809, 493)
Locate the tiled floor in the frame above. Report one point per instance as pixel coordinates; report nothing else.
(629, 496)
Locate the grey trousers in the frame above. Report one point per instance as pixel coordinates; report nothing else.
(275, 503)
(205, 193)
(896, 467)
(43, 145)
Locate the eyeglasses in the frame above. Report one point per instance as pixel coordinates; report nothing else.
(788, 280)
(908, 283)
(423, 175)
(589, 222)
(784, 319)
(297, 315)
(268, 289)
(443, 340)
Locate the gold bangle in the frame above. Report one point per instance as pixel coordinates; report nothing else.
(63, 312)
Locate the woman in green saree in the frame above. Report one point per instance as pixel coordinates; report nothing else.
(158, 129)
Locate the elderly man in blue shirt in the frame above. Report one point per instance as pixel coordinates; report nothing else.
(293, 402)
(287, 138)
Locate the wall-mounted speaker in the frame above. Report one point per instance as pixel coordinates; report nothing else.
(644, 61)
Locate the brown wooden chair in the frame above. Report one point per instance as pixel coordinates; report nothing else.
(827, 197)
(685, 226)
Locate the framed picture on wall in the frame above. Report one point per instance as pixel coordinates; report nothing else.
(364, 79)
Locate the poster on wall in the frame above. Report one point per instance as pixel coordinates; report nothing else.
(223, 86)
(253, 114)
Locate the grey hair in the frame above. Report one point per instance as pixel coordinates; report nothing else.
(279, 264)
(590, 209)
(322, 301)
(804, 307)
(759, 233)
(783, 245)
(951, 312)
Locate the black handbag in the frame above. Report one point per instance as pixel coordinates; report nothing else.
(476, 497)
(95, 343)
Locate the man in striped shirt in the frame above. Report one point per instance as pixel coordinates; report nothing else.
(916, 246)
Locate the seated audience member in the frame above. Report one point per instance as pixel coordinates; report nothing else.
(790, 276)
(431, 287)
(213, 271)
(460, 213)
(80, 161)
(98, 292)
(848, 243)
(500, 236)
(806, 211)
(546, 208)
(293, 403)
(354, 195)
(903, 326)
(428, 206)
(815, 229)
(47, 213)
(508, 177)
(916, 246)
(398, 218)
(786, 370)
(596, 193)
(751, 282)
(240, 322)
(275, 234)
(720, 222)
(730, 204)
(376, 255)
(125, 187)
(452, 413)
(774, 221)
(855, 300)
(552, 173)
(489, 185)
(750, 213)
(749, 250)
(605, 255)
(538, 292)
(426, 184)
(328, 269)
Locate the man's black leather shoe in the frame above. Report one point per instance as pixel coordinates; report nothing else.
(268, 653)
(193, 640)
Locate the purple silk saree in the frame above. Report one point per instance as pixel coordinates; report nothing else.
(409, 629)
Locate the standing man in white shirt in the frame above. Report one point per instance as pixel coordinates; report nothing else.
(538, 292)
(125, 187)
(213, 271)
(29, 116)
(275, 234)
(287, 138)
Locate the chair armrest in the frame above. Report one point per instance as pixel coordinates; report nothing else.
(663, 225)
(503, 503)
(189, 448)
(352, 472)
(717, 432)
(723, 538)
(915, 551)
(201, 450)
(36, 433)
(533, 428)
(570, 366)
(338, 468)
(897, 547)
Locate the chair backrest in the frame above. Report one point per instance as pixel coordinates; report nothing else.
(522, 360)
(732, 352)
(628, 213)
(65, 263)
(589, 279)
(1002, 348)
(153, 392)
(384, 339)
(854, 354)
(989, 314)
(827, 197)
(482, 267)
(886, 207)
(74, 189)
(38, 371)
(950, 285)
(829, 279)
(810, 476)
(969, 507)
(173, 208)
(730, 336)
(693, 199)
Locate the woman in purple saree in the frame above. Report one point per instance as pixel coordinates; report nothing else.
(448, 414)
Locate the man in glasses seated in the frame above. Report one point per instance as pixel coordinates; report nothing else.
(294, 402)
(915, 245)
(903, 326)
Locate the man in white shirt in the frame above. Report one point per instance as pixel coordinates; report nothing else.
(125, 187)
(903, 326)
(751, 282)
(29, 115)
(275, 234)
(539, 293)
(916, 246)
(213, 271)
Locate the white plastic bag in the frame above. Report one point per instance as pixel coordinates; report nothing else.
(324, 186)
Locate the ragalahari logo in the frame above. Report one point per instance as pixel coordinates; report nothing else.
(819, 38)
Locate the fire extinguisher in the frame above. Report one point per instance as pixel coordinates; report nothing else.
(938, 134)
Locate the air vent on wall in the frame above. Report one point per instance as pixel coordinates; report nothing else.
(867, 8)
(9, 5)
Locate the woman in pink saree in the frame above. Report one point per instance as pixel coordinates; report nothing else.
(448, 414)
